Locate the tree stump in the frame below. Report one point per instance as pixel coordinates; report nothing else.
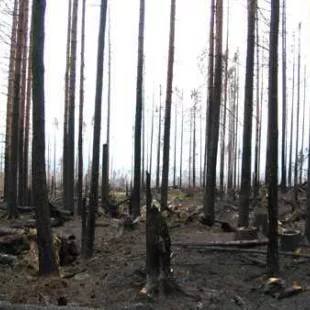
(246, 233)
(289, 240)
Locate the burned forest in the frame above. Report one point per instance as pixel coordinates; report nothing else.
(154, 154)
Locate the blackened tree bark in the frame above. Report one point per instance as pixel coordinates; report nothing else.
(13, 171)
(210, 86)
(47, 257)
(214, 117)
(93, 203)
(307, 228)
(166, 149)
(138, 121)
(152, 138)
(290, 165)
(272, 251)
(175, 145)
(80, 138)
(247, 122)
(22, 104)
(181, 150)
(9, 106)
(283, 148)
(158, 140)
(104, 183)
(66, 106)
(297, 116)
(71, 111)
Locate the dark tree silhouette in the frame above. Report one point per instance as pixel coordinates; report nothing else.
(47, 258)
(166, 148)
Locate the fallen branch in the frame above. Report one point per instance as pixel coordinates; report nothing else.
(10, 231)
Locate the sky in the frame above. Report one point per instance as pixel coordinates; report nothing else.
(192, 28)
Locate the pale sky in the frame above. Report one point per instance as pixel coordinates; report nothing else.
(192, 26)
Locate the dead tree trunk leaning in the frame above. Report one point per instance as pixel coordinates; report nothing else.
(9, 106)
(71, 111)
(214, 117)
(80, 138)
(210, 87)
(66, 107)
(138, 121)
(272, 251)
(247, 122)
(283, 150)
(166, 149)
(47, 257)
(13, 166)
(93, 203)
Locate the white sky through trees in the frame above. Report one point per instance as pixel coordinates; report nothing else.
(192, 27)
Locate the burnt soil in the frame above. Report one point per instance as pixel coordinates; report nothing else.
(114, 276)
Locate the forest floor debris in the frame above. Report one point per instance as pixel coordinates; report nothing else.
(112, 279)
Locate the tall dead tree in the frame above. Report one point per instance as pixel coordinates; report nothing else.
(297, 115)
(302, 132)
(247, 120)
(214, 119)
(258, 116)
(290, 166)
(158, 140)
(175, 145)
(181, 142)
(22, 103)
(210, 86)
(13, 165)
(272, 250)
(66, 106)
(195, 97)
(81, 107)
(47, 257)
(138, 121)
(9, 107)
(307, 225)
(166, 148)
(71, 112)
(151, 139)
(283, 147)
(93, 202)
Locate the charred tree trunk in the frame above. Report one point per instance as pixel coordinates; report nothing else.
(47, 257)
(151, 142)
(80, 137)
(9, 106)
(303, 132)
(66, 106)
(292, 123)
(194, 139)
(297, 117)
(21, 174)
(166, 148)
(14, 156)
(175, 146)
(181, 151)
(210, 87)
(93, 202)
(272, 251)
(283, 149)
(158, 141)
(214, 117)
(247, 122)
(71, 112)
(138, 121)
(104, 182)
(307, 225)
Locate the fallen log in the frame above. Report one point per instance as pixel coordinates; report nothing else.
(14, 244)
(10, 231)
(232, 243)
(251, 251)
(55, 222)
